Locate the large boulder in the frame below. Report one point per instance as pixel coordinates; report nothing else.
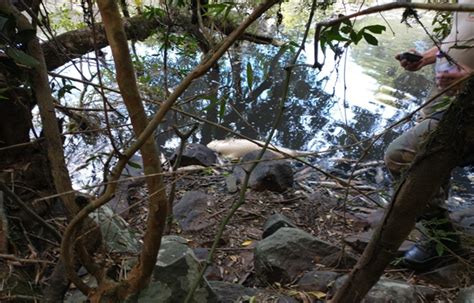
(387, 290)
(316, 280)
(191, 211)
(274, 223)
(116, 233)
(270, 174)
(466, 295)
(449, 276)
(195, 154)
(175, 272)
(287, 253)
(230, 292)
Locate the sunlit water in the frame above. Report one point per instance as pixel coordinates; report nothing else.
(352, 99)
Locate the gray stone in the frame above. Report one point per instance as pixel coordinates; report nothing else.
(117, 235)
(392, 291)
(230, 292)
(452, 275)
(274, 223)
(191, 211)
(175, 272)
(317, 280)
(195, 154)
(284, 255)
(360, 240)
(340, 259)
(273, 175)
(231, 184)
(398, 292)
(466, 295)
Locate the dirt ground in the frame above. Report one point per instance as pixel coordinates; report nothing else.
(315, 204)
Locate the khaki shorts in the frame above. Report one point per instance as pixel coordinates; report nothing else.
(402, 151)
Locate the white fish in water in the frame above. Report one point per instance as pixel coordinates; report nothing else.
(237, 148)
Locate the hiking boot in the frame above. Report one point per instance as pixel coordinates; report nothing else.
(433, 249)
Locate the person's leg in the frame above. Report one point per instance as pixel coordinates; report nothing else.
(398, 157)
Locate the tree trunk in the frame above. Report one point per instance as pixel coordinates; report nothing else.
(443, 150)
(156, 221)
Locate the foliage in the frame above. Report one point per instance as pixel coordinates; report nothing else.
(13, 41)
(345, 33)
(217, 9)
(442, 24)
(65, 19)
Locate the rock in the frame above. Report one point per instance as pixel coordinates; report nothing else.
(284, 255)
(466, 295)
(230, 292)
(452, 275)
(126, 186)
(339, 260)
(400, 292)
(201, 253)
(231, 184)
(175, 271)
(317, 280)
(375, 217)
(191, 211)
(274, 223)
(274, 175)
(115, 230)
(195, 154)
(387, 290)
(359, 241)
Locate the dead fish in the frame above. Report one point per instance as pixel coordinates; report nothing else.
(237, 148)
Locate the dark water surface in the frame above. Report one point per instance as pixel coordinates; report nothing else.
(339, 108)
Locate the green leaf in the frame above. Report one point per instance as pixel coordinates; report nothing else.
(347, 22)
(215, 9)
(355, 37)
(21, 58)
(439, 249)
(25, 36)
(134, 164)
(376, 29)
(66, 89)
(213, 101)
(346, 29)
(444, 103)
(222, 108)
(335, 36)
(370, 39)
(249, 76)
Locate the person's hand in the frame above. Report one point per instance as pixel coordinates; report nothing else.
(412, 66)
(445, 79)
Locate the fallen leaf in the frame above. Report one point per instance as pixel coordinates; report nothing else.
(317, 294)
(247, 243)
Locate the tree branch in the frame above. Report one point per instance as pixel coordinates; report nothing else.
(74, 44)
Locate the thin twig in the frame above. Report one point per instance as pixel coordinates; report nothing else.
(30, 211)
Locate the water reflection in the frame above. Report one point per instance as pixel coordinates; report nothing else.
(347, 101)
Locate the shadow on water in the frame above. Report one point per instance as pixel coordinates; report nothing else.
(349, 101)
(319, 112)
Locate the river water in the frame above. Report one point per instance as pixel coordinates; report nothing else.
(352, 99)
